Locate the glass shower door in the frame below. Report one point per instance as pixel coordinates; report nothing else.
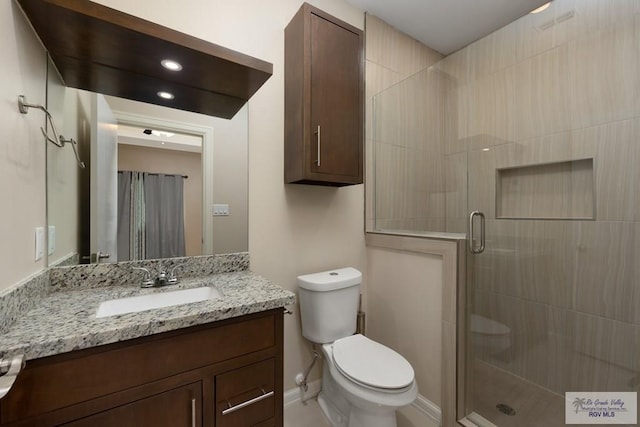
(551, 133)
(519, 292)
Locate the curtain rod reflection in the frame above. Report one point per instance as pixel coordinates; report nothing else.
(160, 173)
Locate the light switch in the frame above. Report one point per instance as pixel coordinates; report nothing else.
(220, 210)
(51, 239)
(39, 243)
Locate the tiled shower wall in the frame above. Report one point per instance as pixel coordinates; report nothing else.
(558, 86)
(393, 57)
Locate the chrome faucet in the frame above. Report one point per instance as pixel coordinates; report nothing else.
(173, 279)
(163, 279)
(147, 281)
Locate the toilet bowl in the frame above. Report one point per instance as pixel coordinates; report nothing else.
(363, 382)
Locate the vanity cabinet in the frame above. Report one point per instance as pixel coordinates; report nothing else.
(177, 407)
(324, 100)
(225, 373)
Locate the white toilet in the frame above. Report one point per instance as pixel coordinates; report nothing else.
(363, 382)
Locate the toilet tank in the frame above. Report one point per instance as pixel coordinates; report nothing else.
(329, 304)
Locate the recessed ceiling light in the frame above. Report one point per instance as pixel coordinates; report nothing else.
(541, 8)
(165, 95)
(171, 65)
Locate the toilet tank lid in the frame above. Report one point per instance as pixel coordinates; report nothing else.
(330, 280)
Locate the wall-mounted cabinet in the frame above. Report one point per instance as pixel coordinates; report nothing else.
(324, 100)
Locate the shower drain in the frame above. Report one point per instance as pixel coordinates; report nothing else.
(505, 409)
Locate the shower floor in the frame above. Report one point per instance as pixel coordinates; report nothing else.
(535, 406)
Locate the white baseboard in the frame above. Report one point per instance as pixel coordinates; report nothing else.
(421, 404)
(295, 394)
(428, 409)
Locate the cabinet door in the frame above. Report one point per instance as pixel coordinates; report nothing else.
(246, 396)
(180, 407)
(336, 148)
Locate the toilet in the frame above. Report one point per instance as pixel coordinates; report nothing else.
(363, 382)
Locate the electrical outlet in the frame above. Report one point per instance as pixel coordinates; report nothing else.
(220, 210)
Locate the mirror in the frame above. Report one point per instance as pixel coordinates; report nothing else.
(85, 206)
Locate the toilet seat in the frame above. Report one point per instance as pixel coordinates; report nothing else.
(371, 364)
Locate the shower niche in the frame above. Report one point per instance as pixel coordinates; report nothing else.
(558, 190)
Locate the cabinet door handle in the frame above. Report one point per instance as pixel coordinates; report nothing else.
(12, 368)
(318, 141)
(233, 408)
(193, 412)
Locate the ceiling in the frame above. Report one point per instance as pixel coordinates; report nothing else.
(448, 25)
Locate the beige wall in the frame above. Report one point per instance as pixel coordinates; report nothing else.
(405, 311)
(292, 229)
(157, 160)
(22, 147)
(63, 173)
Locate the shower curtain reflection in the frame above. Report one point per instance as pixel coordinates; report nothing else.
(150, 216)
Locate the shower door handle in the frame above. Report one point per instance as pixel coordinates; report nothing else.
(472, 248)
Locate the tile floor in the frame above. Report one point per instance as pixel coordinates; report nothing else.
(310, 415)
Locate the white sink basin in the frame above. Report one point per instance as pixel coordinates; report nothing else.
(158, 300)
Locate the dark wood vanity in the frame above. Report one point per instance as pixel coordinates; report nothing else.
(224, 374)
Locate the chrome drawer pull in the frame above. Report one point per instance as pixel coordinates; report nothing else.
(193, 413)
(9, 371)
(232, 408)
(318, 158)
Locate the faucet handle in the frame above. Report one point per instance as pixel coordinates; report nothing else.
(173, 279)
(147, 281)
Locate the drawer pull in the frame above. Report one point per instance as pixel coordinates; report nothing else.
(233, 408)
(318, 158)
(193, 413)
(12, 369)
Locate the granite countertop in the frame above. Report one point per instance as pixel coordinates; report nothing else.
(66, 320)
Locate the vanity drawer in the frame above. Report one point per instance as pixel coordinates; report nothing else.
(246, 396)
(55, 382)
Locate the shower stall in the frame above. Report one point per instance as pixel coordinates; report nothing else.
(536, 129)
